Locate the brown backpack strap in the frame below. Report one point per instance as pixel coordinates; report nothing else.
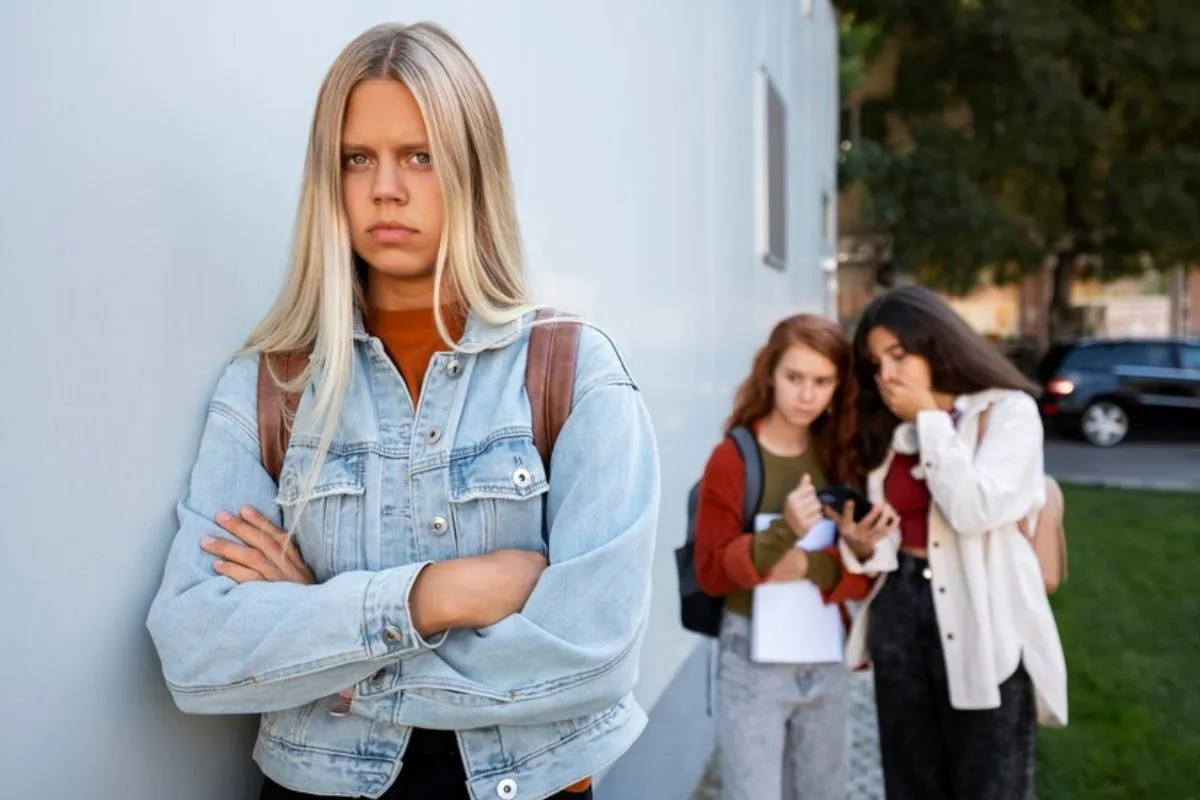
(550, 378)
(277, 408)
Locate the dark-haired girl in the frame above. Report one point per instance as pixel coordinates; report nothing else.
(966, 654)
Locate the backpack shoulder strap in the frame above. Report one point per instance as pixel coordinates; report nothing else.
(747, 446)
(277, 408)
(550, 377)
(1056, 526)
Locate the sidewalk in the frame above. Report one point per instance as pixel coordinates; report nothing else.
(1168, 466)
(866, 781)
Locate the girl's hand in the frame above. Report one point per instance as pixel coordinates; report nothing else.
(266, 552)
(906, 401)
(802, 509)
(863, 535)
(792, 567)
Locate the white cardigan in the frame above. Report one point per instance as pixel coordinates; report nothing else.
(991, 605)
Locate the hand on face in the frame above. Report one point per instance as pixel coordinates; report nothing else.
(906, 400)
(904, 379)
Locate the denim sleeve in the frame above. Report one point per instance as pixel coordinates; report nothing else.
(229, 648)
(573, 650)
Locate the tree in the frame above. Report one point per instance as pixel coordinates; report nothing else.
(1022, 131)
(858, 43)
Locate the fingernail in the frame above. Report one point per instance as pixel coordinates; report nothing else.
(248, 511)
(207, 541)
(224, 516)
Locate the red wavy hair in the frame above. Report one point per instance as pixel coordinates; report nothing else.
(835, 433)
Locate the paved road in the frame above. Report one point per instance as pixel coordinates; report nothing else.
(1162, 465)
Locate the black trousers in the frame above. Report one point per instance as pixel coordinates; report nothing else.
(433, 770)
(932, 751)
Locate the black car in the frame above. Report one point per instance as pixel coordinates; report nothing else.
(1101, 389)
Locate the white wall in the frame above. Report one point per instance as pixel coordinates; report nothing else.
(152, 155)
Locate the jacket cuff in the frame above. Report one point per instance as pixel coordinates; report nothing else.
(882, 560)
(934, 430)
(823, 569)
(738, 562)
(387, 625)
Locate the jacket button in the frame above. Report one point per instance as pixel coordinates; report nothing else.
(522, 478)
(506, 789)
(453, 368)
(950, 637)
(434, 435)
(439, 525)
(392, 633)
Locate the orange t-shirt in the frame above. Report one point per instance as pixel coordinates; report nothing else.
(411, 338)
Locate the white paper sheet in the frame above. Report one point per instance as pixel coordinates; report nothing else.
(790, 623)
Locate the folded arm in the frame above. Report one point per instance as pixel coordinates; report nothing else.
(230, 648)
(573, 649)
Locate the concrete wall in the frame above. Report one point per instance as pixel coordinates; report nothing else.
(152, 161)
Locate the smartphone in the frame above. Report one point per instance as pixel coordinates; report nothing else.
(836, 498)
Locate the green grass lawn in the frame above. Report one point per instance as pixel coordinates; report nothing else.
(1129, 617)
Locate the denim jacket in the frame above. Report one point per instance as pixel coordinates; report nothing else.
(539, 700)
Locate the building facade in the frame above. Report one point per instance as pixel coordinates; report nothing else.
(154, 162)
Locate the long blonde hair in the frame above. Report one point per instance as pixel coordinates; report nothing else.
(479, 257)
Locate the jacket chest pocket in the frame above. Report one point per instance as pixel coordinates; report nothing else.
(498, 490)
(330, 515)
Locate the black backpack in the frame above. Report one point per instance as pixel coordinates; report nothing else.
(700, 612)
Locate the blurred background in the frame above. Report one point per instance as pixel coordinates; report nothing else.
(1039, 164)
(687, 172)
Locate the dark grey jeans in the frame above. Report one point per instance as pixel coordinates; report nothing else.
(930, 750)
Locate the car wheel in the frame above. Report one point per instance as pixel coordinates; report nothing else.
(1104, 423)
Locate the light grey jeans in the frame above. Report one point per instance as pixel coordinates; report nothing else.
(783, 730)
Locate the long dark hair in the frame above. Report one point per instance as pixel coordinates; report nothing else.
(960, 360)
(834, 435)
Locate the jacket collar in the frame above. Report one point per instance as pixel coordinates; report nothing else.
(479, 334)
(904, 438)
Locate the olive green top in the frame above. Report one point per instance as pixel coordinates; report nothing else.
(781, 474)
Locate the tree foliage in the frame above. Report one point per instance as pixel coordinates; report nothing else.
(1019, 130)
